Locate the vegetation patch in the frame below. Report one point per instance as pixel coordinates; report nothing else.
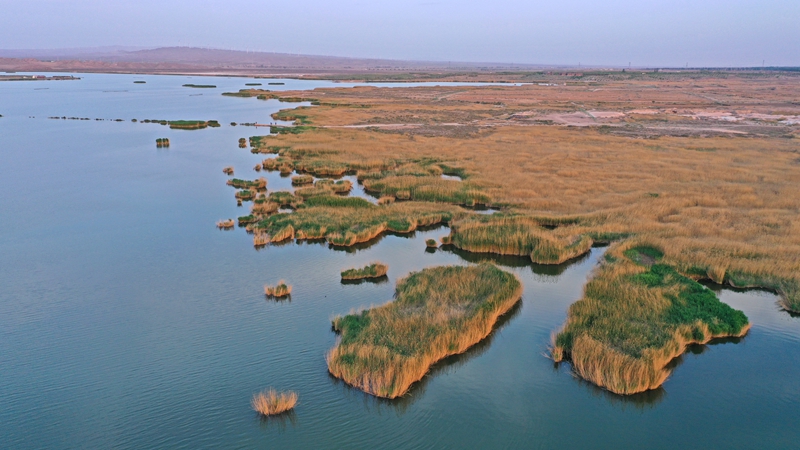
(516, 235)
(227, 170)
(200, 86)
(436, 312)
(271, 402)
(280, 290)
(303, 179)
(188, 124)
(162, 142)
(344, 221)
(339, 187)
(429, 189)
(373, 270)
(225, 224)
(634, 319)
(260, 183)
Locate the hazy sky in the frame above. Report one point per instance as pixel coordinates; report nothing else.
(609, 32)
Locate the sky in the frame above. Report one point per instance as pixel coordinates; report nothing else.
(668, 33)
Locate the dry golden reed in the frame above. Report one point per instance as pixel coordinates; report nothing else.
(271, 402)
(281, 289)
(437, 312)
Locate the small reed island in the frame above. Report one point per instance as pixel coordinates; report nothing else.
(227, 170)
(200, 86)
(280, 290)
(162, 142)
(437, 312)
(192, 124)
(374, 270)
(271, 402)
(225, 224)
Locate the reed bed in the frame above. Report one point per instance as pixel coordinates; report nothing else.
(280, 290)
(431, 243)
(227, 170)
(245, 195)
(338, 187)
(303, 179)
(188, 124)
(436, 312)
(517, 235)
(373, 270)
(346, 221)
(428, 188)
(162, 142)
(635, 318)
(225, 224)
(284, 165)
(260, 183)
(311, 191)
(264, 208)
(284, 198)
(271, 402)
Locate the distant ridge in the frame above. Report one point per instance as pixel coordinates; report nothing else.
(211, 59)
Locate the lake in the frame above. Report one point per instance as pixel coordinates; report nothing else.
(128, 320)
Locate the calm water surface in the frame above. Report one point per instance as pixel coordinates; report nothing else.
(127, 320)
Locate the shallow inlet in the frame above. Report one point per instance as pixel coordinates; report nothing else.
(129, 320)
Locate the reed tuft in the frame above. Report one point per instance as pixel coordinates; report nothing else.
(271, 402)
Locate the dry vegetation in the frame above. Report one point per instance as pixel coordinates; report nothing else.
(280, 290)
(702, 166)
(225, 224)
(272, 402)
(516, 235)
(437, 312)
(346, 221)
(374, 270)
(718, 195)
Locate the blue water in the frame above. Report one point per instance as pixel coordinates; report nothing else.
(127, 320)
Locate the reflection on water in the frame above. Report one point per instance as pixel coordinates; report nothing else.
(129, 321)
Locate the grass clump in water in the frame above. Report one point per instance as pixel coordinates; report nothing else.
(338, 187)
(437, 312)
(245, 195)
(634, 319)
(200, 86)
(373, 270)
(225, 224)
(260, 183)
(189, 124)
(271, 402)
(299, 180)
(280, 290)
(227, 170)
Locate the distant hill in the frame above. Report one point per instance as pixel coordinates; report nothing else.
(167, 59)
